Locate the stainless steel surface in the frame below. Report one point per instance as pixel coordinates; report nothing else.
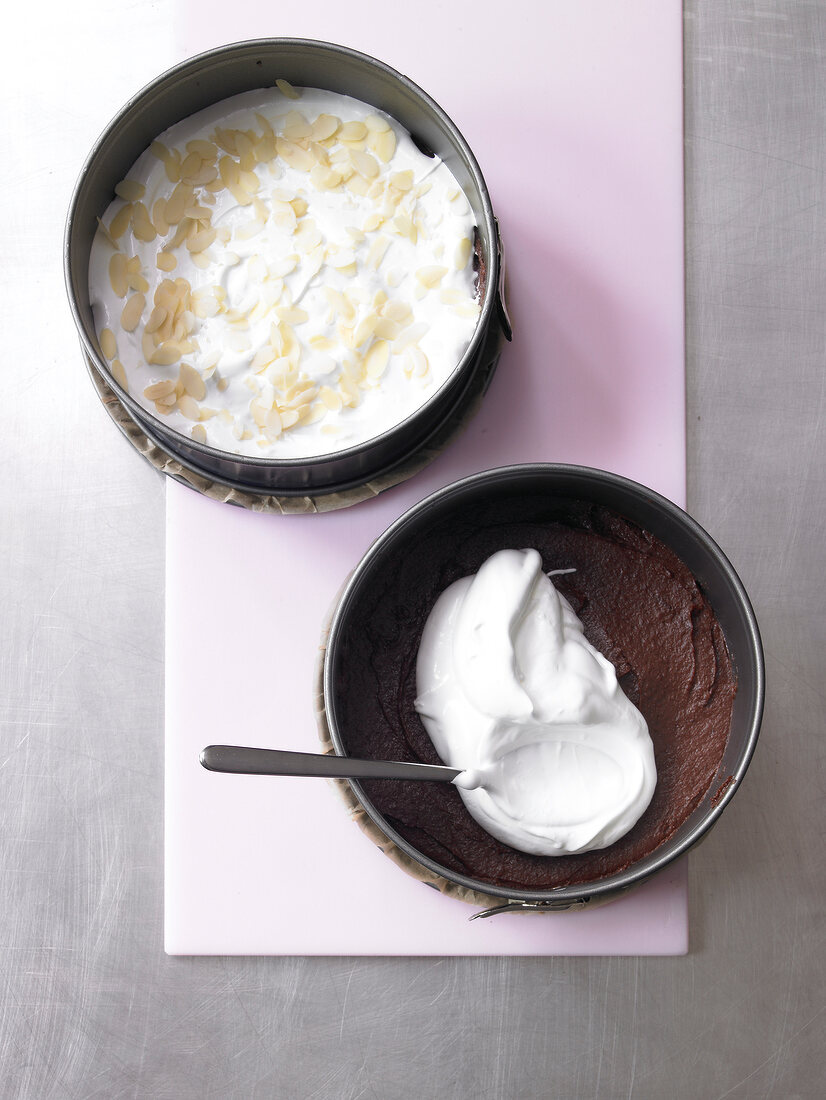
(91, 1008)
(242, 760)
(218, 74)
(537, 493)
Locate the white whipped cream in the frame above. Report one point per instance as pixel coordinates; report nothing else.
(330, 291)
(555, 758)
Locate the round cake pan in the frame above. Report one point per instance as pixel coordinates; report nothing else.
(536, 494)
(244, 66)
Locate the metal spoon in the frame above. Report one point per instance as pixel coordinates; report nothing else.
(246, 761)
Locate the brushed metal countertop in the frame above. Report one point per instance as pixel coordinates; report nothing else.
(90, 1005)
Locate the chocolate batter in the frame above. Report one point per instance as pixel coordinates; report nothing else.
(640, 606)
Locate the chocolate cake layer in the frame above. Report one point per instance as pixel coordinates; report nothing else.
(640, 606)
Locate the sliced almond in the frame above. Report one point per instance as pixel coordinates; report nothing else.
(352, 131)
(324, 127)
(188, 407)
(463, 251)
(159, 390)
(177, 203)
(415, 362)
(166, 354)
(224, 138)
(357, 185)
(229, 172)
(372, 221)
(246, 232)
(330, 398)
(377, 124)
(264, 149)
(131, 313)
(364, 330)
(166, 294)
(249, 181)
(356, 235)
(201, 240)
(159, 217)
(190, 166)
(301, 392)
(342, 257)
(205, 304)
(292, 315)
(172, 166)
(142, 226)
(392, 198)
(352, 368)
(405, 228)
(397, 311)
(195, 210)
(469, 309)
(157, 318)
(377, 358)
(322, 344)
(287, 89)
(307, 236)
(193, 383)
(349, 392)
(118, 274)
(206, 150)
(384, 146)
(377, 251)
(431, 275)
(246, 151)
(130, 190)
(294, 155)
(296, 126)
(263, 357)
(186, 226)
(120, 223)
(119, 374)
(340, 304)
(411, 335)
(273, 422)
(324, 179)
(386, 329)
(264, 123)
(402, 181)
(283, 216)
(364, 164)
(138, 282)
(108, 343)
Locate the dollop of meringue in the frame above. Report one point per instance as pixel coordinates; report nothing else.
(555, 758)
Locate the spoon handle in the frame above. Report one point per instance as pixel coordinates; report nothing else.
(247, 761)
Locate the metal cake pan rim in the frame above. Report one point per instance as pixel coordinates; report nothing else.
(657, 860)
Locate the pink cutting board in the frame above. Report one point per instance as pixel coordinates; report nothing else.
(575, 114)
